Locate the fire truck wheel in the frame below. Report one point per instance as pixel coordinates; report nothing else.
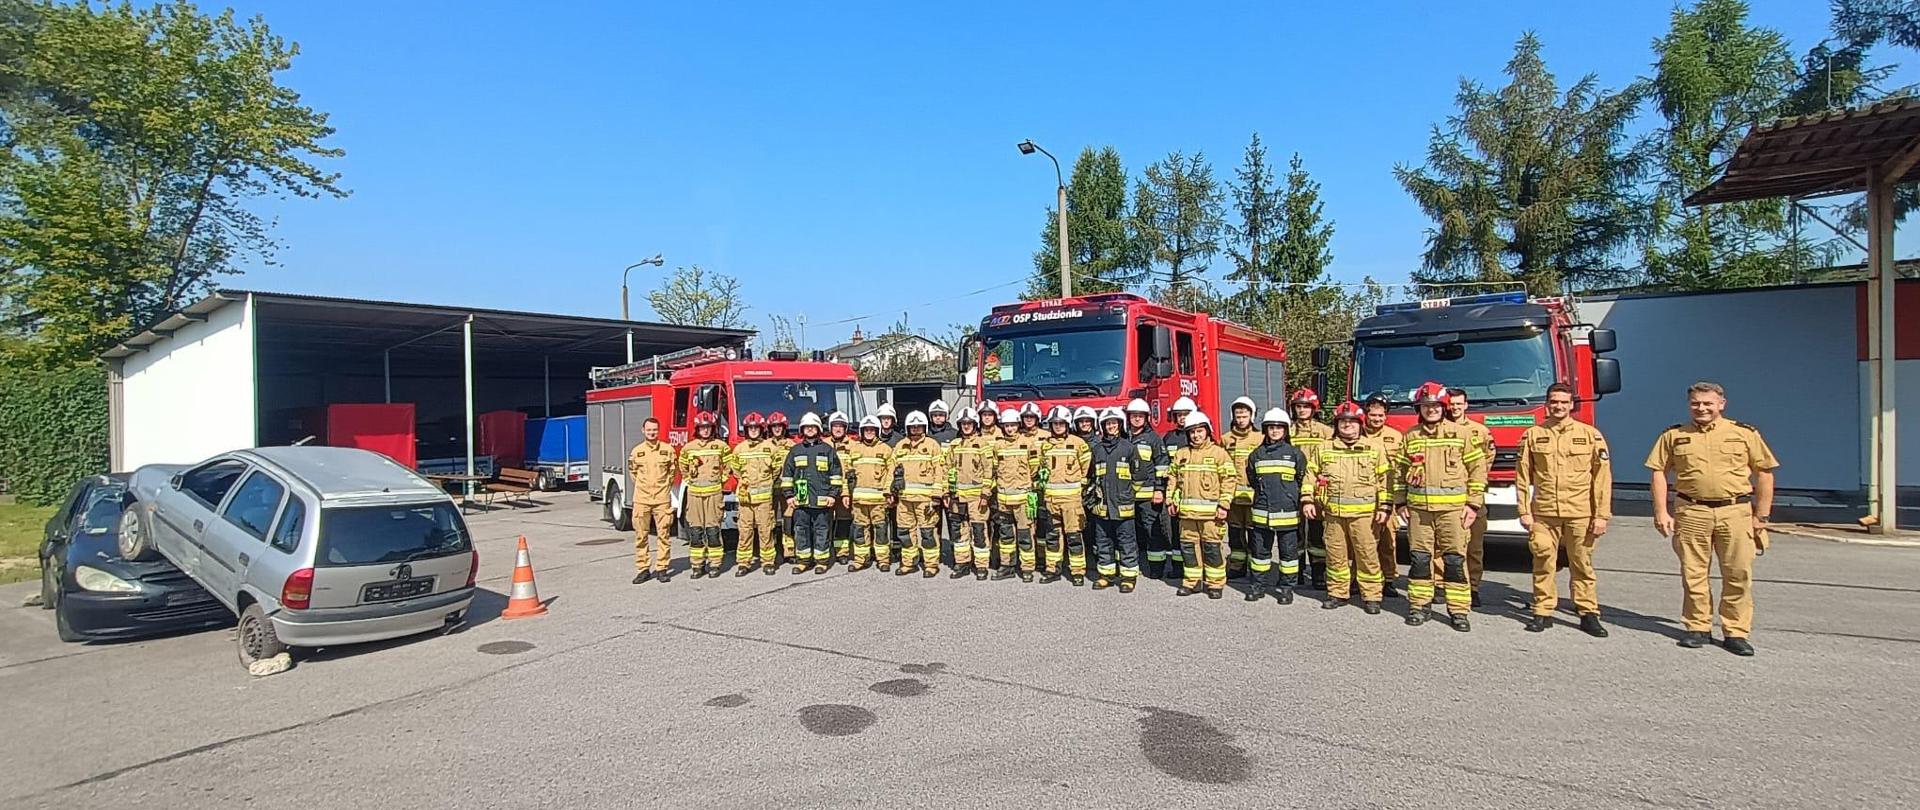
(616, 510)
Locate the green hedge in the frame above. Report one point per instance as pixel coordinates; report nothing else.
(53, 430)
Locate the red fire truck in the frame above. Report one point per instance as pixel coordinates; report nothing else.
(1503, 349)
(726, 382)
(1105, 350)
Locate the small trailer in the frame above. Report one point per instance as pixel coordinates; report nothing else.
(557, 449)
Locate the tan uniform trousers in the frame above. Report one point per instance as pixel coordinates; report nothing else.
(1068, 545)
(755, 530)
(1351, 547)
(1551, 535)
(652, 536)
(1433, 535)
(1700, 534)
(870, 539)
(920, 529)
(1204, 547)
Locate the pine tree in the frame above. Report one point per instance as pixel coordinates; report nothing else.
(1178, 221)
(1104, 254)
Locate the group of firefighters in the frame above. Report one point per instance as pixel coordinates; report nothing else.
(1282, 499)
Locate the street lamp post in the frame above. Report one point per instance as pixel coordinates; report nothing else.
(1028, 147)
(657, 261)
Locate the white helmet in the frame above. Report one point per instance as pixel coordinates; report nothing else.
(968, 414)
(1009, 416)
(1276, 416)
(869, 421)
(1184, 404)
(916, 419)
(1083, 412)
(1197, 419)
(1059, 414)
(989, 406)
(810, 420)
(1139, 406)
(1115, 414)
(1248, 403)
(884, 410)
(837, 418)
(938, 406)
(1030, 408)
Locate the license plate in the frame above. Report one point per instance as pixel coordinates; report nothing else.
(390, 591)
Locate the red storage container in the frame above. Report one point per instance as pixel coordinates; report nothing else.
(503, 435)
(387, 429)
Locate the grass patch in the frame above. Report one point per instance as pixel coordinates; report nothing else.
(21, 529)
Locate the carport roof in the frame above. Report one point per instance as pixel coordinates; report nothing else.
(1820, 154)
(328, 324)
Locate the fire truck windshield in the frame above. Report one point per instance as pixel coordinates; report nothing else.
(795, 399)
(1032, 365)
(1513, 367)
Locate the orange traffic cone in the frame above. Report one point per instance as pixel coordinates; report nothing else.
(525, 599)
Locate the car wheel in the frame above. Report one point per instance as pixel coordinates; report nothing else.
(255, 636)
(136, 537)
(622, 516)
(60, 624)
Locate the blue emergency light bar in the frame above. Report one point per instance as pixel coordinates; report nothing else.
(1516, 297)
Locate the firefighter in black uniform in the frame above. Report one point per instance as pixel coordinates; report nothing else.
(1150, 494)
(1117, 469)
(1274, 470)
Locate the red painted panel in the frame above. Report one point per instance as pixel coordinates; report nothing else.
(387, 429)
(1906, 305)
(503, 435)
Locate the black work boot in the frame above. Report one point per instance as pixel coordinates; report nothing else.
(663, 577)
(1416, 616)
(772, 567)
(1005, 572)
(699, 571)
(1126, 584)
(1284, 595)
(1332, 603)
(1390, 592)
(980, 573)
(1078, 580)
(1738, 646)
(743, 570)
(929, 573)
(1372, 608)
(1590, 624)
(1216, 593)
(643, 576)
(823, 567)
(1050, 577)
(1256, 592)
(961, 570)
(1187, 590)
(1460, 622)
(1694, 640)
(1026, 576)
(1476, 597)
(801, 568)
(1539, 624)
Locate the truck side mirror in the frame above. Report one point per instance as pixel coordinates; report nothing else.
(966, 352)
(1163, 349)
(1602, 341)
(1162, 367)
(1606, 376)
(1322, 356)
(1320, 384)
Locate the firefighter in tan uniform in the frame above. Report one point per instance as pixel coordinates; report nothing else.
(923, 483)
(1565, 489)
(1201, 482)
(1439, 486)
(1723, 479)
(869, 469)
(1065, 459)
(703, 466)
(650, 471)
(1308, 433)
(971, 456)
(1240, 440)
(1477, 533)
(1016, 465)
(1388, 531)
(1350, 493)
(755, 462)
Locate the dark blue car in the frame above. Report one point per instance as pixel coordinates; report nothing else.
(96, 595)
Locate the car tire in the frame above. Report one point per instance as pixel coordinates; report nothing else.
(254, 636)
(61, 626)
(135, 538)
(622, 516)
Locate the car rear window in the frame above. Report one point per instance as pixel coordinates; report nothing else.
(370, 535)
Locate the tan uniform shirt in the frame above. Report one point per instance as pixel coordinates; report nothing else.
(1309, 435)
(1202, 479)
(1440, 467)
(1239, 445)
(756, 463)
(1349, 478)
(1386, 436)
(703, 463)
(923, 466)
(1565, 472)
(1712, 462)
(1066, 459)
(1017, 459)
(651, 468)
(869, 470)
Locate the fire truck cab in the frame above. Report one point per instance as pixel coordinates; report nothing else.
(1107, 349)
(726, 382)
(1503, 349)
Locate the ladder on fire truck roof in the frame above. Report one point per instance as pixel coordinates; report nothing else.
(660, 366)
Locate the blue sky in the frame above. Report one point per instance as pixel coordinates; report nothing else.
(850, 159)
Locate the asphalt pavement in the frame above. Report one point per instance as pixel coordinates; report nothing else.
(874, 690)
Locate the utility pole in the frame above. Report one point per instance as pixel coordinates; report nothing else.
(1028, 147)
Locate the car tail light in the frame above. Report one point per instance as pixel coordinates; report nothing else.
(473, 571)
(297, 594)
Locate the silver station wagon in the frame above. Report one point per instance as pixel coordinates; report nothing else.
(309, 546)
